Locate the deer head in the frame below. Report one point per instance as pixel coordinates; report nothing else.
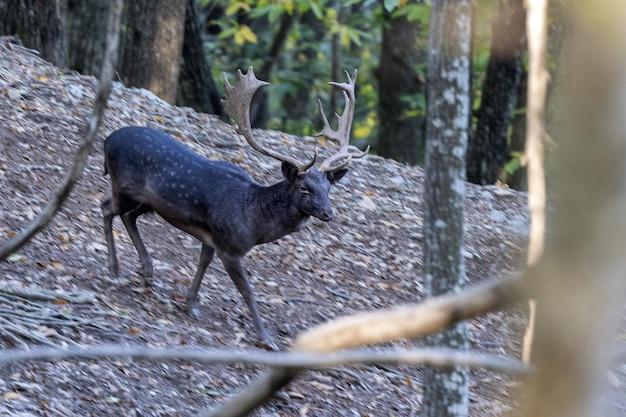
(308, 186)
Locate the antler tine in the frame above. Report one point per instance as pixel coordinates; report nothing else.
(344, 124)
(237, 99)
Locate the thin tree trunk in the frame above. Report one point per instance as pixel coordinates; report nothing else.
(446, 391)
(488, 150)
(400, 137)
(87, 34)
(152, 46)
(196, 87)
(297, 103)
(259, 114)
(40, 25)
(335, 64)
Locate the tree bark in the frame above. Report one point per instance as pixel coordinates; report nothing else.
(196, 87)
(446, 391)
(153, 45)
(488, 150)
(400, 137)
(87, 21)
(40, 25)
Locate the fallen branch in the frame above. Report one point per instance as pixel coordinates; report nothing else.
(33, 314)
(40, 294)
(378, 327)
(80, 158)
(430, 357)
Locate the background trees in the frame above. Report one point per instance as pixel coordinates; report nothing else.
(401, 134)
(40, 25)
(152, 45)
(179, 48)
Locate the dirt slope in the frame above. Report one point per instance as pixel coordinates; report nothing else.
(369, 257)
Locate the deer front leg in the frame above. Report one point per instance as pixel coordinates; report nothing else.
(238, 275)
(108, 214)
(130, 221)
(206, 255)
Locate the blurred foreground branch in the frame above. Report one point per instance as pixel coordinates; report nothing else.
(537, 29)
(430, 357)
(378, 327)
(580, 284)
(95, 120)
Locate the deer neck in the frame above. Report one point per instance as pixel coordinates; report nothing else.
(275, 212)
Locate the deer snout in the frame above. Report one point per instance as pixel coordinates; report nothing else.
(326, 215)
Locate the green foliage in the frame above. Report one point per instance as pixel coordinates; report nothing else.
(244, 31)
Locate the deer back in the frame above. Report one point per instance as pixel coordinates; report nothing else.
(198, 195)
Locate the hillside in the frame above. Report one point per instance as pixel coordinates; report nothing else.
(370, 256)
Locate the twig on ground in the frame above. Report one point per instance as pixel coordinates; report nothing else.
(40, 294)
(80, 158)
(25, 313)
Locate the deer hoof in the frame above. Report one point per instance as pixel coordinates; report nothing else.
(193, 311)
(268, 344)
(114, 272)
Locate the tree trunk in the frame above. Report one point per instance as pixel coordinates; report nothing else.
(152, 46)
(400, 137)
(40, 25)
(259, 114)
(488, 150)
(446, 391)
(518, 133)
(297, 102)
(196, 87)
(87, 34)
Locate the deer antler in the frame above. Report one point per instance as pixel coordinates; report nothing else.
(344, 124)
(237, 100)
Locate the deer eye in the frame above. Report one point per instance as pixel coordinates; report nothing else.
(304, 189)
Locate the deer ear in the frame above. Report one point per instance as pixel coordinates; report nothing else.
(290, 171)
(334, 176)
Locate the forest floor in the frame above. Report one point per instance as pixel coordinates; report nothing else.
(369, 257)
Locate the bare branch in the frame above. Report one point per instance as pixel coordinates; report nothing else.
(430, 357)
(377, 327)
(537, 33)
(95, 120)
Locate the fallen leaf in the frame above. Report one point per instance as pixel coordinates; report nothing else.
(134, 331)
(57, 265)
(15, 258)
(10, 395)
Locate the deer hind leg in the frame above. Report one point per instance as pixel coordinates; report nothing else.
(206, 256)
(108, 213)
(129, 218)
(238, 275)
